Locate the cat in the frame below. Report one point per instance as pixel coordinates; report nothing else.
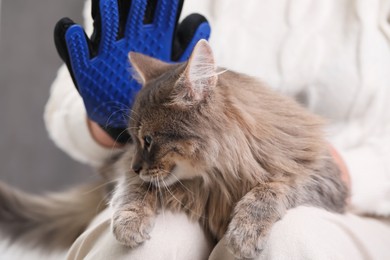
(223, 148)
(216, 144)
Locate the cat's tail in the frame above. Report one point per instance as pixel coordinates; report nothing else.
(51, 221)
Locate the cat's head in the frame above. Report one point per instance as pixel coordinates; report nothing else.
(168, 117)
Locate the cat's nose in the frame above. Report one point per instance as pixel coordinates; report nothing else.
(137, 168)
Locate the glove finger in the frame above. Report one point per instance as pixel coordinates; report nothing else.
(62, 43)
(59, 37)
(193, 28)
(167, 14)
(109, 15)
(78, 48)
(135, 18)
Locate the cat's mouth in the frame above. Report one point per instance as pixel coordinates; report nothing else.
(159, 177)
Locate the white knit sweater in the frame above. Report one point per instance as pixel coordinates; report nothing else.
(332, 55)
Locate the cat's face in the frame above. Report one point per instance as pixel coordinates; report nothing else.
(166, 123)
(166, 150)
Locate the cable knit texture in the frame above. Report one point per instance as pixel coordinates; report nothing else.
(332, 55)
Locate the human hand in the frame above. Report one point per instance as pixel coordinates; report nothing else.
(99, 66)
(101, 136)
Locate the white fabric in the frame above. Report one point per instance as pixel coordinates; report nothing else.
(173, 237)
(304, 233)
(315, 234)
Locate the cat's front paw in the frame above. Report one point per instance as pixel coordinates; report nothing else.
(245, 240)
(131, 228)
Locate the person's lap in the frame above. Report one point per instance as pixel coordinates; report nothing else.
(304, 233)
(312, 233)
(173, 236)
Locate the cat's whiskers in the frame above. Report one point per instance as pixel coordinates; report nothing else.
(180, 202)
(154, 191)
(105, 197)
(147, 191)
(127, 129)
(130, 185)
(221, 72)
(99, 186)
(182, 184)
(131, 111)
(178, 180)
(126, 113)
(121, 133)
(133, 127)
(121, 107)
(124, 110)
(141, 184)
(113, 146)
(127, 116)
(104, 200)
(161, 197)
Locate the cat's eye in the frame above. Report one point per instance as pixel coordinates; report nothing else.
(147, 141)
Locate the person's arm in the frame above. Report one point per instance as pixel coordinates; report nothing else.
(67, 124)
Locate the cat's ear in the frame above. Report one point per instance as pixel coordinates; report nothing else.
(146, 68)
(199, 77)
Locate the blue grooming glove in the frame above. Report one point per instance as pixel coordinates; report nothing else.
(99, 65)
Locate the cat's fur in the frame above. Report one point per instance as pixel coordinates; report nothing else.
(221, 147)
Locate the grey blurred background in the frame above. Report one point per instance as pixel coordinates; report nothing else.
(28, 65)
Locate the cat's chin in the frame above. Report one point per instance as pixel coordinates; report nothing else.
(159, 180)
(182, 170)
